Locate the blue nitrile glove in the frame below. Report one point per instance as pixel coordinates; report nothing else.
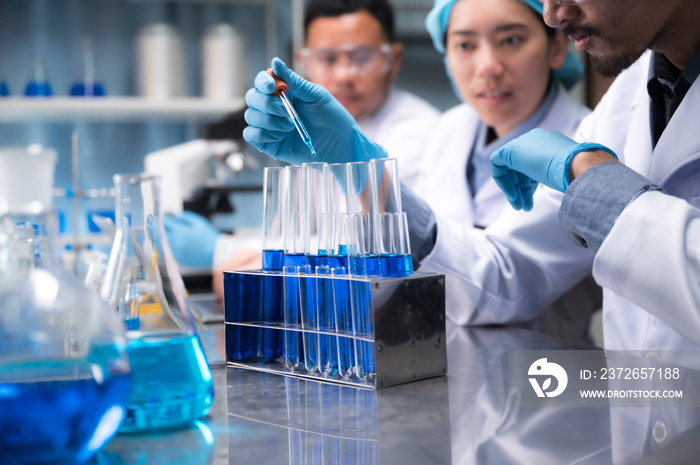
(537, 156)
(334, 133)
(192, 239)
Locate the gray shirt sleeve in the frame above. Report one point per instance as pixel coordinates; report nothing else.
(422, 226)
(595, 199)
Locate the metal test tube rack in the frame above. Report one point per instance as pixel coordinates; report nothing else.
(290, 324)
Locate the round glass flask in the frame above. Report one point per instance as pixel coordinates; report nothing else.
(171, 380)
(64, 372)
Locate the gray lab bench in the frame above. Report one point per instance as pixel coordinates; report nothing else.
(466, 417)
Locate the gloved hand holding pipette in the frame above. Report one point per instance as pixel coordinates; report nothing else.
(537, 156)
(333, 132)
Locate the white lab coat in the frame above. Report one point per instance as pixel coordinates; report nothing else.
(444, 183)
(445, 188)
(403, 126)
(649, 264)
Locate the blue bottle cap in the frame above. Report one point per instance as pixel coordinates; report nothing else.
(38, 89)
(84, 89)
(4, 90)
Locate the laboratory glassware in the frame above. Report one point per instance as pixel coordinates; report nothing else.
(39, 85)
(88, 87)
(274, 191)
(171, 380)
(394, 246)
(281, 90)
(64, 370)
(361, 264)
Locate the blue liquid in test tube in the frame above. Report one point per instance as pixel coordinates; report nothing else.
(272, 311)
(343, 322)
(243, 296)
(328, 345)
(308, 294)
(293, 345)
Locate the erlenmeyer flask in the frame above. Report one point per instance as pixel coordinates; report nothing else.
(171, 380)
(64, 372)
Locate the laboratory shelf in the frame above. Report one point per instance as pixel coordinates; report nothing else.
(15, 109)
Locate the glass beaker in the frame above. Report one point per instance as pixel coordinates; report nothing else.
(64, 372)
(171, 379)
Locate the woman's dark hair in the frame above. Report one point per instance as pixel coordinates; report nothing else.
(380, 9)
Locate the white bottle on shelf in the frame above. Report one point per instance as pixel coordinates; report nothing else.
(160, 53)
(225, 63)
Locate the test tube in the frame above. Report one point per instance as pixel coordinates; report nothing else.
(394, 248)
(308, 297)
(274, 191)
(293, 345)
(343, 322)
(272, 312)
(314, 205)
(361, 310)
(295, 217)
(281, 90)
(333, 239)
(328, 346)
(362, 198)
(386, 185)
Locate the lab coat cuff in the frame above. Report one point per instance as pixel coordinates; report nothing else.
(228, 244)
(596, 198)
(422, 226)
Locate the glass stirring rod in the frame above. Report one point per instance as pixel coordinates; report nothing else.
(280, 90)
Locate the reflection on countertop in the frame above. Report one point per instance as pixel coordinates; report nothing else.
(470, 416)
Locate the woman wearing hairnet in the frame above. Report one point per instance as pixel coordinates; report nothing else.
(512, 72)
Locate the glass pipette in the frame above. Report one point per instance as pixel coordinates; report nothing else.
(281, 89)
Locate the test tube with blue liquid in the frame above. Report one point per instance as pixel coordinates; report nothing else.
(293, 344)
(274, 213)
(362, 198)
(394, 247)
(314, 207)
(328, 345)
(281, 90)
(342, 315)
(308, 311)
(294, 218)
(360, 301)
(333, 220)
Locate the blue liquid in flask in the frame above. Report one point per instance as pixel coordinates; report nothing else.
(171, 381)
(59, 411)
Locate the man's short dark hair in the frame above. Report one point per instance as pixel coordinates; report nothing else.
(380, 9)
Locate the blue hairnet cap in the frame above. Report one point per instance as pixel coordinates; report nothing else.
(436, 23)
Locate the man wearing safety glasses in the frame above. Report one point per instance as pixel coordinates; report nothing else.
(350, 50)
